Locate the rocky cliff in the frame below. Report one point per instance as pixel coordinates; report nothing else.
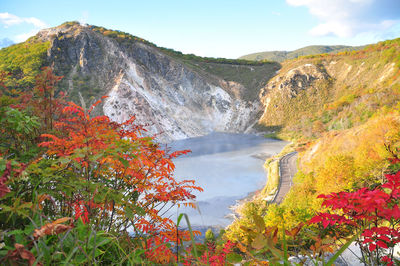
(172, 99)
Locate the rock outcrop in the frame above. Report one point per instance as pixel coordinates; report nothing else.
(291, 83)
(291, 91)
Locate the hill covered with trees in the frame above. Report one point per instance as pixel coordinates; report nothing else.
(280, 56)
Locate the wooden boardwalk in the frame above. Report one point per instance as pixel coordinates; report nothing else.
(287, 169)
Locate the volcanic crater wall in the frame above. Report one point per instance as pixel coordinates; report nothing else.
(172, 99)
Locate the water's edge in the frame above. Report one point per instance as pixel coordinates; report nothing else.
(230, 169)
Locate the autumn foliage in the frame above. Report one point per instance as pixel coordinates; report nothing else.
(372, 213)
(212, 256)
(90, 172)
(111, 158)
(80, 189)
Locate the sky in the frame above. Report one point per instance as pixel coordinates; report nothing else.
(215, 28)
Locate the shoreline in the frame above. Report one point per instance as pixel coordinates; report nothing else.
(271, 188)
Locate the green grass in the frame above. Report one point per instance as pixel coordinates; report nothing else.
(253, 78)
(272, 136)
(271, 187)
(272, 167)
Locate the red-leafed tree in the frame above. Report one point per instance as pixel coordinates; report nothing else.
(371, 213)
(111, 176)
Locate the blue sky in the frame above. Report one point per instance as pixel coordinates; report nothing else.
(216, 28)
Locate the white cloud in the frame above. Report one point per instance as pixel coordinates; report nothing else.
(36, 22)
(347, 18)
(332, 27)
(9, 20)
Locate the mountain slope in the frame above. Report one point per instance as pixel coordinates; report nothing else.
(281, 56)
(177, 96)
(342, 113)
(320, 93)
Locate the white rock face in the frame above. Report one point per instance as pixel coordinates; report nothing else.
(177, 112)
(173, 100)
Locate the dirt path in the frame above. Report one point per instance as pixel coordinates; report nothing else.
(287, 169)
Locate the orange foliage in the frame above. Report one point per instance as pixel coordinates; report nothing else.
(113, 159)
(21, 253)
(53, 228)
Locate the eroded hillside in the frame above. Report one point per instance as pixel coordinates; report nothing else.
(177, 96)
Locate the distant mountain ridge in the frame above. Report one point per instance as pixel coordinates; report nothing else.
(281, 56)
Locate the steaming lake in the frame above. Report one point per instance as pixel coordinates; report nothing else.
(228, 167)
